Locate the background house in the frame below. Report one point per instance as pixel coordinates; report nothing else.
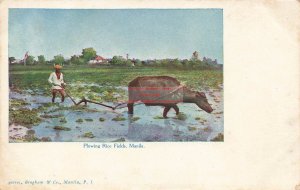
(98, 60)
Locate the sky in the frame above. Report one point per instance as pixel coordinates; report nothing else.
(142, 33)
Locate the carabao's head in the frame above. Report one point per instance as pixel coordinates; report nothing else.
(198, 98)
(201, 102)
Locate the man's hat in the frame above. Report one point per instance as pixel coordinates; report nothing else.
(57, 67)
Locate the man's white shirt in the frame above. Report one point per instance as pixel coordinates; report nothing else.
(53, 79)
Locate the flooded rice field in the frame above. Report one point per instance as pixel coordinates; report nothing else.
(33, 118)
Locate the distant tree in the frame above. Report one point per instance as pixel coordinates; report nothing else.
(30, 60)
(198, 63)
(76, 60)
(88, 54)
(118, 60)
(59, 59)
(185, 63)
(191, 63)
(128, 63)
(115, 60)
(11, 59)
(41, 59)
(176, 63)
(156, 63)
(138, 62)
(164, 62)
(68, 62)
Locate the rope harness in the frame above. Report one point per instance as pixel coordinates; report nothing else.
(85, 101)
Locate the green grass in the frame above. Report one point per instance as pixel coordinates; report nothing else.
(192, 128)
(119, 118)
(62, 128)
(78, 108)
(24, 117)
(46, 116)
(30, 138)
(201, 120)
(35, 78)
(158, 117)
(63, 120)
(220, 137)
(122, 139)
(135, 118)
(79, 120)
(181, 116)
(49, 104)
(89, 135)
(207, 129)
(17, 102)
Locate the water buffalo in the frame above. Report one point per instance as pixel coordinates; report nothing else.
(163, 91)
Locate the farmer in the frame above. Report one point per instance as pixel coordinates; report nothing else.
(56, 79)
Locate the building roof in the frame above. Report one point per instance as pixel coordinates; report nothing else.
(98, 58)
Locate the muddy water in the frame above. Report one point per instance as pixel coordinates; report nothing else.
(144, 125)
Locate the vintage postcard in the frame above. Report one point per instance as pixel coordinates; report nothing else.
(130, 75)
(150, 95)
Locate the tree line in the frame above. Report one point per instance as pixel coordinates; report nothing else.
(88, 54)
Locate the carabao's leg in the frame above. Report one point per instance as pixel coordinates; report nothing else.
(130, 101)
(53, 95)
(130, 108)
(166, 110)
(175, 107)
